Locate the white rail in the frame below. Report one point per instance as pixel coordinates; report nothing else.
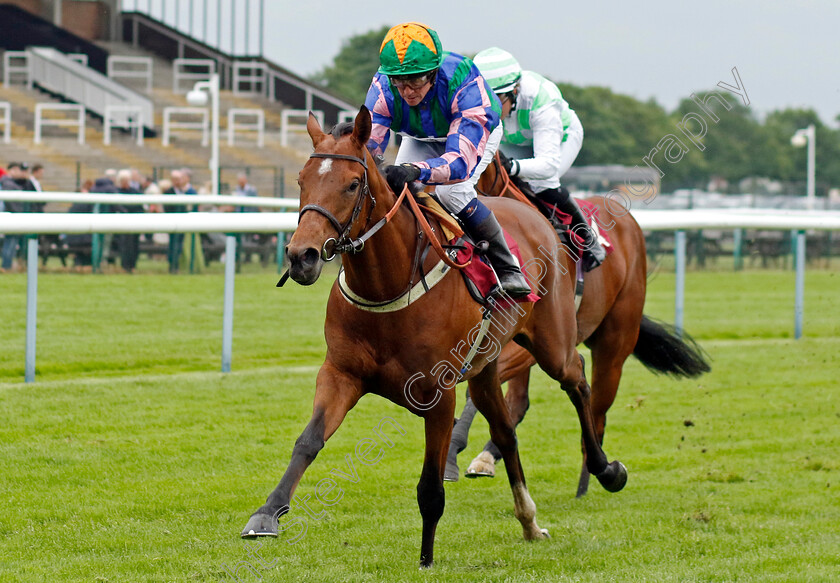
(137, 68)
(258, 125)
(203, 125)
(16, 69)
(256, 78)
(41, 121)
(21, 223)
(129, 117)
(286, 126)
(184, 69)
(199, 222)
(133, 199)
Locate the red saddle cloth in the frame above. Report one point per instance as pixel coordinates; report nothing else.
(481, 276)
(591, 212)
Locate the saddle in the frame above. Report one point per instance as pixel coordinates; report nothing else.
(478, 275)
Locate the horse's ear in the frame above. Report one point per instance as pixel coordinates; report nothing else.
(361, 131)
(314, 129)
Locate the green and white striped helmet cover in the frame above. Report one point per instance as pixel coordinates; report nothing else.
(499, 69)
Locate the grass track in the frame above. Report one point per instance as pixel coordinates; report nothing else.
(133, 459)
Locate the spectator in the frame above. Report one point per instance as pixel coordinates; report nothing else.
(54, 243)
(129, 243)
(180, 185)
(136, 180)
(81, 243)
(9, 181)
(36, 176)
(105, 185)
(245, 188)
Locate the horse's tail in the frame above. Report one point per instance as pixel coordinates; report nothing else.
(661, 350)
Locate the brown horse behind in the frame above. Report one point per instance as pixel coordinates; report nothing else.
(405, 355)
(609, 322)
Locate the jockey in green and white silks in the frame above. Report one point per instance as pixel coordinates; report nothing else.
(542, 137)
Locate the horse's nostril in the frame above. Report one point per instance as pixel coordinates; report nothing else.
(310, 256)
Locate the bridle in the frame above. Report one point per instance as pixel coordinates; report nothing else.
(343, 243)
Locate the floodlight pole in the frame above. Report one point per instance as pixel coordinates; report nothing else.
(212, 87)
(799, 139)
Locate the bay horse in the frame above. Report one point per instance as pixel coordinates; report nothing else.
(610, 323)
(403, 354)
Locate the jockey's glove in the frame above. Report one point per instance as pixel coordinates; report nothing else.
(398, 176)
(510, 165)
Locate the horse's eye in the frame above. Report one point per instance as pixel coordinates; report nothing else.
(353, 186)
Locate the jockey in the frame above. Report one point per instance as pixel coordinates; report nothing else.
(449, 119)
(544, 138)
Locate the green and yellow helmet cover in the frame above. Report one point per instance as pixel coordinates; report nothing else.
(410, 48)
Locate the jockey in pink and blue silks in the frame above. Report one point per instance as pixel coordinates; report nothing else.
(449, 119)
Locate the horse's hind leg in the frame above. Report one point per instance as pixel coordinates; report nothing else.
(487, 394)
(611, 344)
(563, 363)
(430, 493)
(336, 393)
(516, 398)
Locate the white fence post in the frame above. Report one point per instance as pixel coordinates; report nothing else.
(286, 126)
(799, 293)
(131, 119)
(6, 120)
(138, 68)
(183, 69)
(258, 125)
(9, 69)
(203, 125)
(679, 293)
(40, 121)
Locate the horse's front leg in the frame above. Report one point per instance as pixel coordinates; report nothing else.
(336, 393)
(430, 493)
(487, 394)
(460, 437)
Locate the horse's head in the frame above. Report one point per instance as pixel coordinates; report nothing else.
(333, 189)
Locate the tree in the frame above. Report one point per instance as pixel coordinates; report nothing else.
(354, 66)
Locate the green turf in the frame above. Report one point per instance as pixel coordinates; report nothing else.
(133, 459)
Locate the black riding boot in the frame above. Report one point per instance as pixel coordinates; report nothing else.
(593, 252)
(482, 225)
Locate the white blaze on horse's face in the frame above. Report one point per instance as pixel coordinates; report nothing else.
(326, 166)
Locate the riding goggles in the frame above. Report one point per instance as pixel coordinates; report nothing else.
(414, 82)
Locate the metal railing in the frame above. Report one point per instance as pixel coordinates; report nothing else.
(57, 73)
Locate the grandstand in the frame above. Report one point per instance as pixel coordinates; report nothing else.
(96, 45)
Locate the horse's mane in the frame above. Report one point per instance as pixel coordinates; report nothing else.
(342, 129)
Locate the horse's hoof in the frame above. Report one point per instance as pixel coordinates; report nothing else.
(537, 534)
(483, 466)
(614, 477)
(260, 525)
(451, 473)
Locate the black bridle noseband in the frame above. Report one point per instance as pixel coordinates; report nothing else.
(343, 243)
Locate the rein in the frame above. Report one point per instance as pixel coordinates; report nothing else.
(507, 183)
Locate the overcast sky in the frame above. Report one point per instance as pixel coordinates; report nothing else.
(787, 52)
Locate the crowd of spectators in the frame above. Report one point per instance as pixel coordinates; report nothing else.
(182, 249)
